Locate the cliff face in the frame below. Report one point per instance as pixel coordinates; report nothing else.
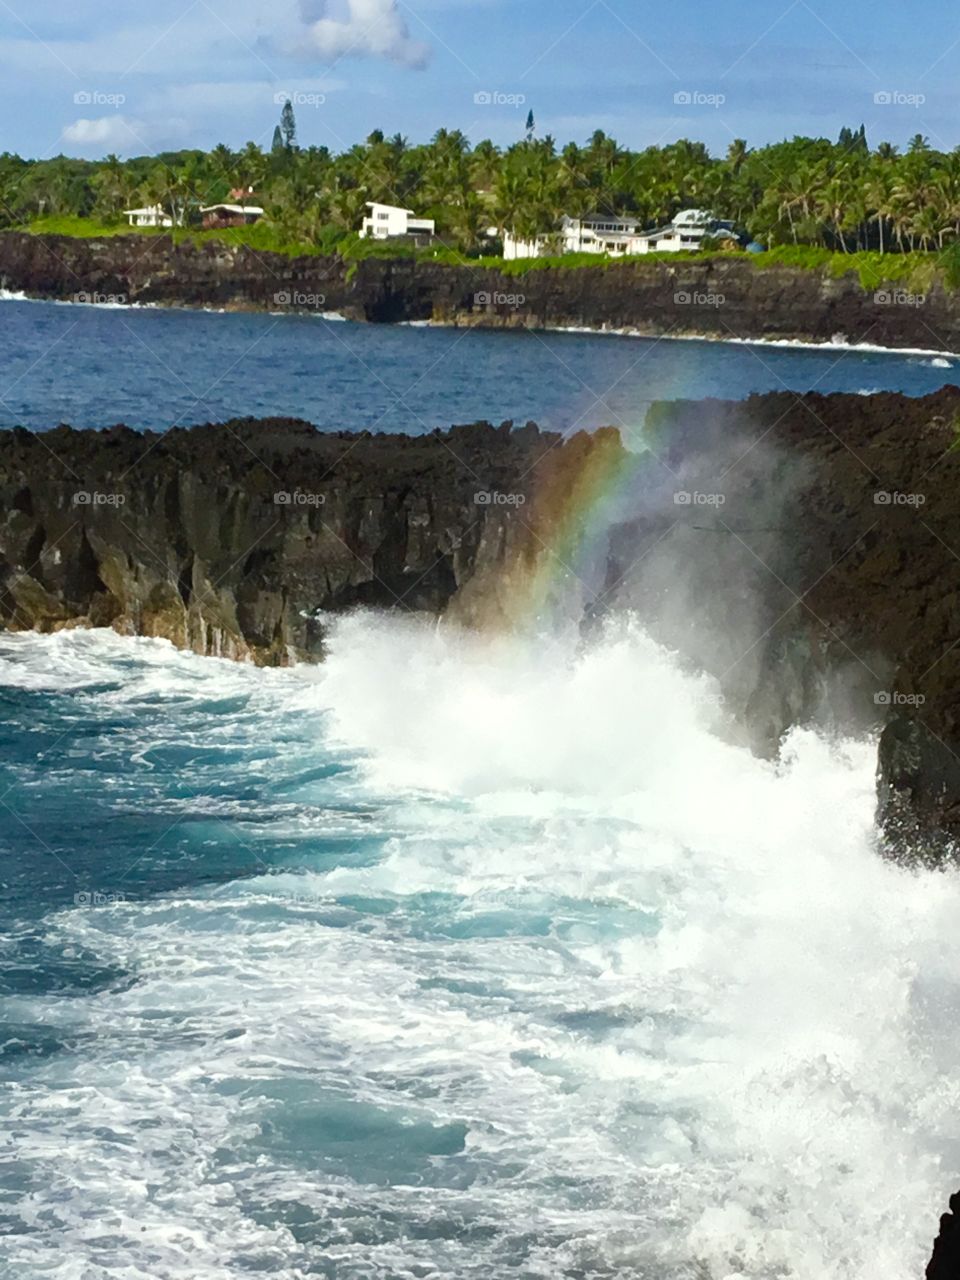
(719, 297)
(235, 539)
(944, 1262)
(812, 563)
(805, 550)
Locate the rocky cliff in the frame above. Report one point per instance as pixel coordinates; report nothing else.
(805, 550)
(237, 539)
(722, 297)
(944, 1262)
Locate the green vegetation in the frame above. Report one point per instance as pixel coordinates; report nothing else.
(831, 206)
(912, 270)
(74, 224)
(261, 235)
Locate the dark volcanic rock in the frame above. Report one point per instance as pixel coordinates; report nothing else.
(720, 297)
(945, 1261)
(232, 539)
(812, 563)
(805, 550)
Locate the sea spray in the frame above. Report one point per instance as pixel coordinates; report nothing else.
(483, 957)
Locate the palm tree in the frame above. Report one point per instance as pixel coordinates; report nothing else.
(222, 162)
(508, 196)
(447, 178)
(737, 153)
(879, 193)
(114, 187)
(833, 207)
(484, 164)
(187, 190)
(250, 166)
(346, 203)
(159, 189)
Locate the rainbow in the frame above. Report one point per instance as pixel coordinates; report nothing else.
(580, 488)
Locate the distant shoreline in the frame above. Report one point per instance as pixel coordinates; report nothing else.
(715, 297)
(335, 317)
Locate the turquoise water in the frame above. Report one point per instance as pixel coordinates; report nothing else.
(94, 366)
(450, 959)
(445, 960)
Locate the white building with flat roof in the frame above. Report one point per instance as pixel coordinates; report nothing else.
(600, 233)
(620, 236)
(231, 215)
(595, 233)
(152, 216)
(387, 220)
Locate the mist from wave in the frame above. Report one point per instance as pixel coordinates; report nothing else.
(457, 957)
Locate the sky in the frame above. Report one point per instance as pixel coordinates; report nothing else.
(89, 77)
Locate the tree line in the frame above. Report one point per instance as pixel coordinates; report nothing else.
(840, 195)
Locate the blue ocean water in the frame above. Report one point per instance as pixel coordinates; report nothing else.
(454, 959)
(93, 366)
(443, 961)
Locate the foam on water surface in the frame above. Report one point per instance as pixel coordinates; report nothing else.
(485, 958)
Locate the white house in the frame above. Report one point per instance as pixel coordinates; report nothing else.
(230, 215)
(685, 233)
(597, 233)
(617, 236)
(386, 220)
(514, 248)
(152, 216)
(600, 233)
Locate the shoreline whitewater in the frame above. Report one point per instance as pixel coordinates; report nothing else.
(143, 555)
(838, 343)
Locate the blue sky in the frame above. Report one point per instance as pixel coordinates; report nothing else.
(135, 76)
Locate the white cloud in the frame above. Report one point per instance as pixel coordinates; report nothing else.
(106, 131)
(125, 135)
(368, 29)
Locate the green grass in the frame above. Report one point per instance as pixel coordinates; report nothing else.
(915, 272)
(263, 236)
(83, 228)
(259, 235)
(354, 249)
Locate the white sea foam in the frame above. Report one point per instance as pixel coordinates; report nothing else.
(839, 342)
(612, 998)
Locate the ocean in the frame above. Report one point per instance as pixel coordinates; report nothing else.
(455, 957)
(94, 366)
